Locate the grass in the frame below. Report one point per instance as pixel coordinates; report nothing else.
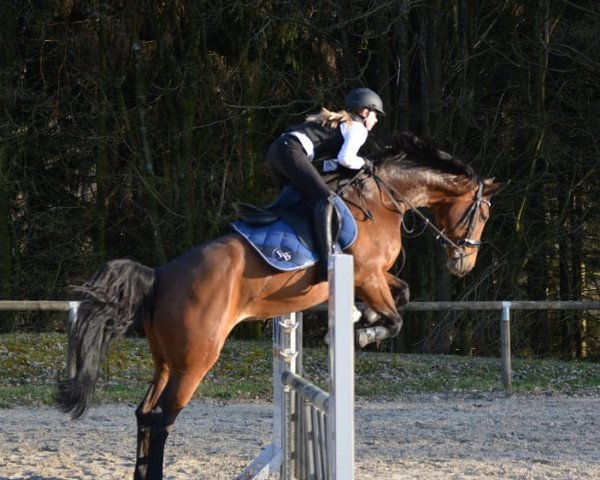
(31, 363)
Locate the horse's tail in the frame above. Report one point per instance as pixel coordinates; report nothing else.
(118, 296)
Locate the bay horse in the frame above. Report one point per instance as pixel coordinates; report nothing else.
(188, 307)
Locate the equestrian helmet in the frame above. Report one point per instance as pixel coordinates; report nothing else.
(364, 98)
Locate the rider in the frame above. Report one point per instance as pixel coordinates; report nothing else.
(334, 137)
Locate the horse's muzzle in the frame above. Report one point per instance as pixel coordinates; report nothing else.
(461, 263)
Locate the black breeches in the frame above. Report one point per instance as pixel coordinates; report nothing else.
(288, 164)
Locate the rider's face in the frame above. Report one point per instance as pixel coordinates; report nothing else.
(369, 118)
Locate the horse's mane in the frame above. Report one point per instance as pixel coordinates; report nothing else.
(416, 152)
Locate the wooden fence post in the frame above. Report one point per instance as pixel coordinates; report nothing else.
(505, 346)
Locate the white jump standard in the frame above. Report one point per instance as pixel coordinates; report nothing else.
(313, 431)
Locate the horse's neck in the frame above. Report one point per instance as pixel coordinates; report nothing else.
(420, 196)
(423, 189)
(408, 190)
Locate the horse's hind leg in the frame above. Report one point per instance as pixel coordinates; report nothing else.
(157, 423)
(145, 414)
(145, 418)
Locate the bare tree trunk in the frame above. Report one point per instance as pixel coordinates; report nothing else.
(532, 209)
(6, 242)
(103, 150)
(402, 64)
(8, 130)
(463, 13)
(577, 278)
(538, 88)
(434, 28)
(148, 192)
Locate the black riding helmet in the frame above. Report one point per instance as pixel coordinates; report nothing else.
(364, 98)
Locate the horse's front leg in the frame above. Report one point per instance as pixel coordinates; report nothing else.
(385, 296)
(400, 293)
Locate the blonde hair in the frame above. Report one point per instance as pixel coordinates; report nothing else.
(330, 119)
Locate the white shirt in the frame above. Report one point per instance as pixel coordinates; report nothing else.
(355, 135)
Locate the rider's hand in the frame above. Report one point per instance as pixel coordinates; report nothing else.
(368, 166)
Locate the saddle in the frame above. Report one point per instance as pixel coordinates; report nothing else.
(289, 207)
(282, 232)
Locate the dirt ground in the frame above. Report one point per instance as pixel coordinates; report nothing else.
(495, 436)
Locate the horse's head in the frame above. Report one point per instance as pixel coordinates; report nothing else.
(461, 219)
(415, 172)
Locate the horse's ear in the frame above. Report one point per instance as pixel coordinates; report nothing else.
(492, 187)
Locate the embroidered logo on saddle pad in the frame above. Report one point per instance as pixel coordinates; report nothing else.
(279, 245)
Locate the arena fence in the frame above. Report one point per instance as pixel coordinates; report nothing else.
(504, 307)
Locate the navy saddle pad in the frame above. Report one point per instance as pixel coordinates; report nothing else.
(278, 244)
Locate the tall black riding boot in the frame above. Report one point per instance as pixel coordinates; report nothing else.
(323, 215)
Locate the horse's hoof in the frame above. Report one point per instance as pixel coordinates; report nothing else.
(370, 315)
(365, 336)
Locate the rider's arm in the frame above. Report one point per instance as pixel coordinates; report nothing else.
(355, 135)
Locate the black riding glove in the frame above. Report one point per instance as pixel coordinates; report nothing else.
(368, 166)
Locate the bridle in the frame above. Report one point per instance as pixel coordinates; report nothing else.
(469, 215)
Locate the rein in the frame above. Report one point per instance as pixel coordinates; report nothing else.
(350, 182)
(469, 214)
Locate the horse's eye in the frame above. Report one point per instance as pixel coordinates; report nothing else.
(483, 217)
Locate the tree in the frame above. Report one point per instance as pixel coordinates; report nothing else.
(129, 127)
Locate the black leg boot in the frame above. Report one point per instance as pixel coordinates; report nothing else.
(323, 233)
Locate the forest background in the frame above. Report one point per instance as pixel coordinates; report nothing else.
(127, 129)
